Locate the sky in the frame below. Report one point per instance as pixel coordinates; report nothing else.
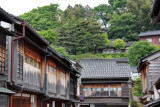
(17, 7)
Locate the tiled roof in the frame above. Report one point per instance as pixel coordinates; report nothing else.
(105, 68)
(149, 33)
(134, 69)
(5, 90)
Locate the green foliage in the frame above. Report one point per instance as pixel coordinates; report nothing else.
(85, 56)
(103, 12)
(114, 55)
(118, 44)
(50, 35)
(139, 50)
(137, 87)
(82, 36)
(134, 103)
(61, 50)
(43, 18)
(117, 4)
(141, 9)
(90, 56)
(123, 27)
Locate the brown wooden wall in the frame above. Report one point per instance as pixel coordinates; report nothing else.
(57, 78)
(144, 79)
(29, 65)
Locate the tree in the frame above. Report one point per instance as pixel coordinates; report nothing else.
(141, 9)
(118, 5)
(103, 12)
(83, 36)
(43, 18)
(139, 50)
(118, 44)
(137, 87)
(50, 35)
(123, 27)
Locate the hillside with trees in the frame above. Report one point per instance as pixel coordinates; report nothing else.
(78, 30)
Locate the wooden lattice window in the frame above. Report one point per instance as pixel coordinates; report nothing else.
(20, 60)
(2, 52)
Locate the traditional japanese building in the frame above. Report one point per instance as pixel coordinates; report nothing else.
(105, 82)
(154, 14)
(149, 67)
(33, 73)
(5, 22)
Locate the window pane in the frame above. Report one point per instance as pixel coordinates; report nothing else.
(149, 40)
(38, 65)
(105, 89)
(92, 89)
(35, 63)
(84, 89)
(31, 61)
(54, 70)
(98, 89)
(119, 89)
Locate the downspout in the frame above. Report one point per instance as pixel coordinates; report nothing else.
(23, 35)
(45, 77)
(45, 82)
(70, 81)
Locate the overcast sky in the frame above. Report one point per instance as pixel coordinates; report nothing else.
(18, 7)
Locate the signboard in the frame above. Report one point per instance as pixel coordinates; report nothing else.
(81, 98)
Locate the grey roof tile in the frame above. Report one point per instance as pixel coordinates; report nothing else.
(149, 33)
(5, 90)
(105, 68)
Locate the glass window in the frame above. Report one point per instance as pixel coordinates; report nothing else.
(119, 91)
(105, 89)
(149, 40)
(113, 91)
(119, 88)
(31, 61)
(38, 65)
(84, 89)
(35, 63)
(26, 58)
(92, 89)
(98, 89)
(54, 70)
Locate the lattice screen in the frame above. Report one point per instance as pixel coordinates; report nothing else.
(2, 52)
(20, 60)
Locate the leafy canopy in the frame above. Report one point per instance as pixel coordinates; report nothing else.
(123, 27)
(50, 35)
(43, 18)
(139, 50)
(137, 87)
(103, 12)
(118, 44)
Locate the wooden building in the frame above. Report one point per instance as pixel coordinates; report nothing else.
(105, 82)
(149, 67)
(154, 14)
(5, 93)
(39, 76)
